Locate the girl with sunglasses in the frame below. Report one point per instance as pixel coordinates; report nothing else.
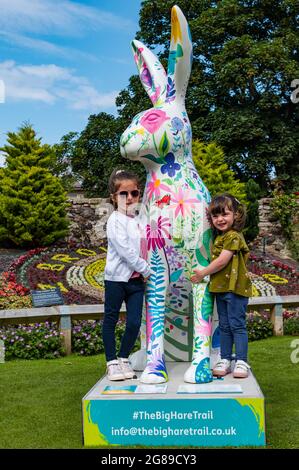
(125, 273)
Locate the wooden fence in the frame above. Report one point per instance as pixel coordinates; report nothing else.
(64, 314)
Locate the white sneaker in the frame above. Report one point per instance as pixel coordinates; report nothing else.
(114, 372)
(222, 368)
(241, 370)
(126, 368)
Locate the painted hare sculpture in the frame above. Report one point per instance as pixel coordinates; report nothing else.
(173, 213)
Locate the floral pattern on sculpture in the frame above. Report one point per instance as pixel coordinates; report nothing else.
(153, 120)
(170, 166)
(156, 233)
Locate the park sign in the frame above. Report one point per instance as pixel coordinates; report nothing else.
(47, 297)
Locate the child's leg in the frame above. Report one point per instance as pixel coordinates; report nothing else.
(237, 321)
(226, 336)
(114, 297)
(134, 302)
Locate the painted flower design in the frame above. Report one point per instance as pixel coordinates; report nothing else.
(146, 77)
(157, 365)
(182, 203)
(203, 327)
(177, 124)
(153, 120)
(171, 166)
(155, 96)
(154, 186)
(156, 232)
(170, 94)
(188, 134)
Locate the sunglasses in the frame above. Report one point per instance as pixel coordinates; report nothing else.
(134, 193)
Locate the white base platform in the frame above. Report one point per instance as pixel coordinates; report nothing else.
(208, 415)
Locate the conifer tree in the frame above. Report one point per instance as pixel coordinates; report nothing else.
(210, 163)
(32, 200)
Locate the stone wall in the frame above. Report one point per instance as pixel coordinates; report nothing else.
(88, 219)
(270, 232)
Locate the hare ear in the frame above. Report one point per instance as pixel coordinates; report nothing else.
(180, 57)
(151, 72)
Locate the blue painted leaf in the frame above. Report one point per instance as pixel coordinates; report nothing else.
(175, 275)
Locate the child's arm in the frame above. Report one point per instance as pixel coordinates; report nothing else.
(215, 266)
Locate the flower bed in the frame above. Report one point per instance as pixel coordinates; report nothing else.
(273, 277)
(34, 341)
(79, 273)
(43, 340)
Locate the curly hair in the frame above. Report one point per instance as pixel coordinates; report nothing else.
(227, 201)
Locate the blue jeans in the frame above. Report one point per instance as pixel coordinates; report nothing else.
(232, 323)
(132, 293)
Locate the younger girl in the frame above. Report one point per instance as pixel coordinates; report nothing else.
(125, 273)
(229, 281)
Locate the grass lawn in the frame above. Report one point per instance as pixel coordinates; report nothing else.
(40, 404)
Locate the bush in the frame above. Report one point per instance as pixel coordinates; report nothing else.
(87, 337)
(34, 341)
(258, 326)
(291, 326)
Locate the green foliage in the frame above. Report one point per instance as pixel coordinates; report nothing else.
(258, 326)
(95, 153)
(32, 200)
(34, 341)
(62, 165)
(253, 193)
(87, 337)
(210, 164)
(245, 58)
(43, 341)
(291, 326)
(284, 207)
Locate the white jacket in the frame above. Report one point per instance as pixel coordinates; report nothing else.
(123, 256)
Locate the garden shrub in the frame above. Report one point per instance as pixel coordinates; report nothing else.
(258, 326)
(43, 341)
(34, 341)
(87, 337)
(291, 326)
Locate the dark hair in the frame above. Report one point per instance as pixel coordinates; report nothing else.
(226, 200)
(116, 177)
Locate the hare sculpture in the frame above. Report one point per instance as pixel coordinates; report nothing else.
(173, 215)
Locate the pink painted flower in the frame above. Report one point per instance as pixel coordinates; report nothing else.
(154, 186)
(203, 328)
(182, 202)
(155, 97)
(156, 232)
(153, 120)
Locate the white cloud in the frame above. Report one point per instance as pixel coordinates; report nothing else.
(45, 46)
(22, 20)
(55, 17)
(50, 84)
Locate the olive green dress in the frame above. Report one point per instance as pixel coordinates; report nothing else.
(234, 277)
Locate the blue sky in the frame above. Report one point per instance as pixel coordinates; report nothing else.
(61, 61)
